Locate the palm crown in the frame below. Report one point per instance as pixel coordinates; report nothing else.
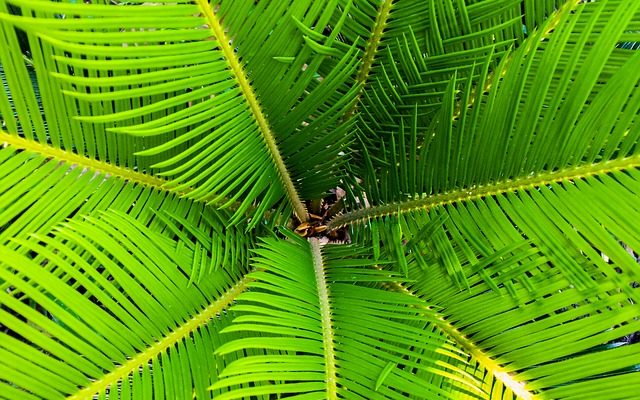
(163, 229)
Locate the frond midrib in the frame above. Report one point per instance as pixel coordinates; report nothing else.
(82, 161)
(325, 314)
(259, 116)
(517, 387)
(370, 52)
(492, 189)
(177, 335)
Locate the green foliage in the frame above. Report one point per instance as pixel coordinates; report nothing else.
(171, 173)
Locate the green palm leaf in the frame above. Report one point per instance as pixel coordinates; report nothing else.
(456, 37)
(341, 334)
(51, 190)
(103, 307)
(193, 101)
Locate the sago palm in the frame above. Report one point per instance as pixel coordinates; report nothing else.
(358, 199)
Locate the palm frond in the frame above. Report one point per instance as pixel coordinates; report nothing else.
(341, 335)
(420, 49)
(200, 106)
(100, 305)
(510, 138)
(43, 186)
(563, 313)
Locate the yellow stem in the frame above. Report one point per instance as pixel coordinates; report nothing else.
(370, 51)
(478, 192)
(183, 331)
(517, 387)
(327, 326)
(268, 136)
(81, 161)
